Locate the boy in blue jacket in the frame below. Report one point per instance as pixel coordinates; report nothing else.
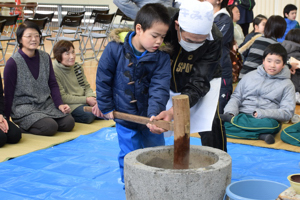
(134, 77)
(289, 14)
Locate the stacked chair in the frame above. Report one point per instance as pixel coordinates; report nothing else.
(70, 28)
(102, 20)
(2, 24)
(92, 17)
(11, 24)
(47, 31)
(41, 24)
(68, 21)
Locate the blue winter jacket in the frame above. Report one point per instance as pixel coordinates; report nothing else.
(290, 24)
(125, 84)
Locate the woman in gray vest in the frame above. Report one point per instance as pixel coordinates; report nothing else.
(31, 92)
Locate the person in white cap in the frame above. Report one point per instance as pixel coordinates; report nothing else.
(195, 62)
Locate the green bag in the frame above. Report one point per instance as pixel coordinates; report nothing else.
(291, 134)
(245, 126)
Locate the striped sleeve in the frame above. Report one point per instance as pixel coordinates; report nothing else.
(255, 56)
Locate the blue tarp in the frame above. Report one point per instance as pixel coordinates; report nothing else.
(87, 168)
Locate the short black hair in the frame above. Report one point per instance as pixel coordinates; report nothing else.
(258, 19)
(151, 13)
(293, 35)
(224, 4)
(276, 49)
(23, 27)
(275, 27)
(288, 8)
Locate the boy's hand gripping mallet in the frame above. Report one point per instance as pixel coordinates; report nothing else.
(180, 125)
(137, 119)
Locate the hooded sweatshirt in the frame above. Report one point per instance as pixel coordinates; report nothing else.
(270, 96)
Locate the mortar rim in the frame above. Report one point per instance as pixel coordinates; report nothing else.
(219, 164)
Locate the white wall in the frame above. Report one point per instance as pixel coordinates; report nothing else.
(274, 7)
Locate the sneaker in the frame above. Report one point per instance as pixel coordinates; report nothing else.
(295, 119)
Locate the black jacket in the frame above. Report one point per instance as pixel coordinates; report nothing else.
(225, 25)
(192, 71)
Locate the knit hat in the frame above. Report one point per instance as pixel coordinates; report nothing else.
(196, 16)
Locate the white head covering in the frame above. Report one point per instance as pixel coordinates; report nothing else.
(196, 17)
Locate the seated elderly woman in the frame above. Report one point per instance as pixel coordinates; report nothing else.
(73, 85)
(31, 92)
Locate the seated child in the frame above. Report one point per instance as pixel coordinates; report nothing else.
(259, 23)
(275, 27)
(262, 99)
(289, 14)
(238, 31)
(134, 77)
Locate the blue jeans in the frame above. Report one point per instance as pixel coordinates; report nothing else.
(131, 7)
(82, 117)
(130, 140)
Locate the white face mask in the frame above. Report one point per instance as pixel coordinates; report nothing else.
(189, 46)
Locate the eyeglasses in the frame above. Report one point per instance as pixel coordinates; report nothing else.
(32, 36)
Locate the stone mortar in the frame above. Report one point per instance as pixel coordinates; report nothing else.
(149, 174)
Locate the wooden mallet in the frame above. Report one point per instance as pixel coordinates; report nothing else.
(180, 126)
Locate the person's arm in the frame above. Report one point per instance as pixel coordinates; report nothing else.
(66, 97)
(233, 105)
(88, 92)
(3, 123)
(54, 88)
(166, 115)
(159, 88)
(128, 7)
(105, 77)
(10, 81)
(286, 107)
(226, 27)
(87, 89)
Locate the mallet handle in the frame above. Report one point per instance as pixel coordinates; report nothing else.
(137, 119)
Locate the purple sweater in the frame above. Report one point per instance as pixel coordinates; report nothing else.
(10, 79)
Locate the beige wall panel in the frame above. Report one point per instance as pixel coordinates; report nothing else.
(274, 7)
(264, 7)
